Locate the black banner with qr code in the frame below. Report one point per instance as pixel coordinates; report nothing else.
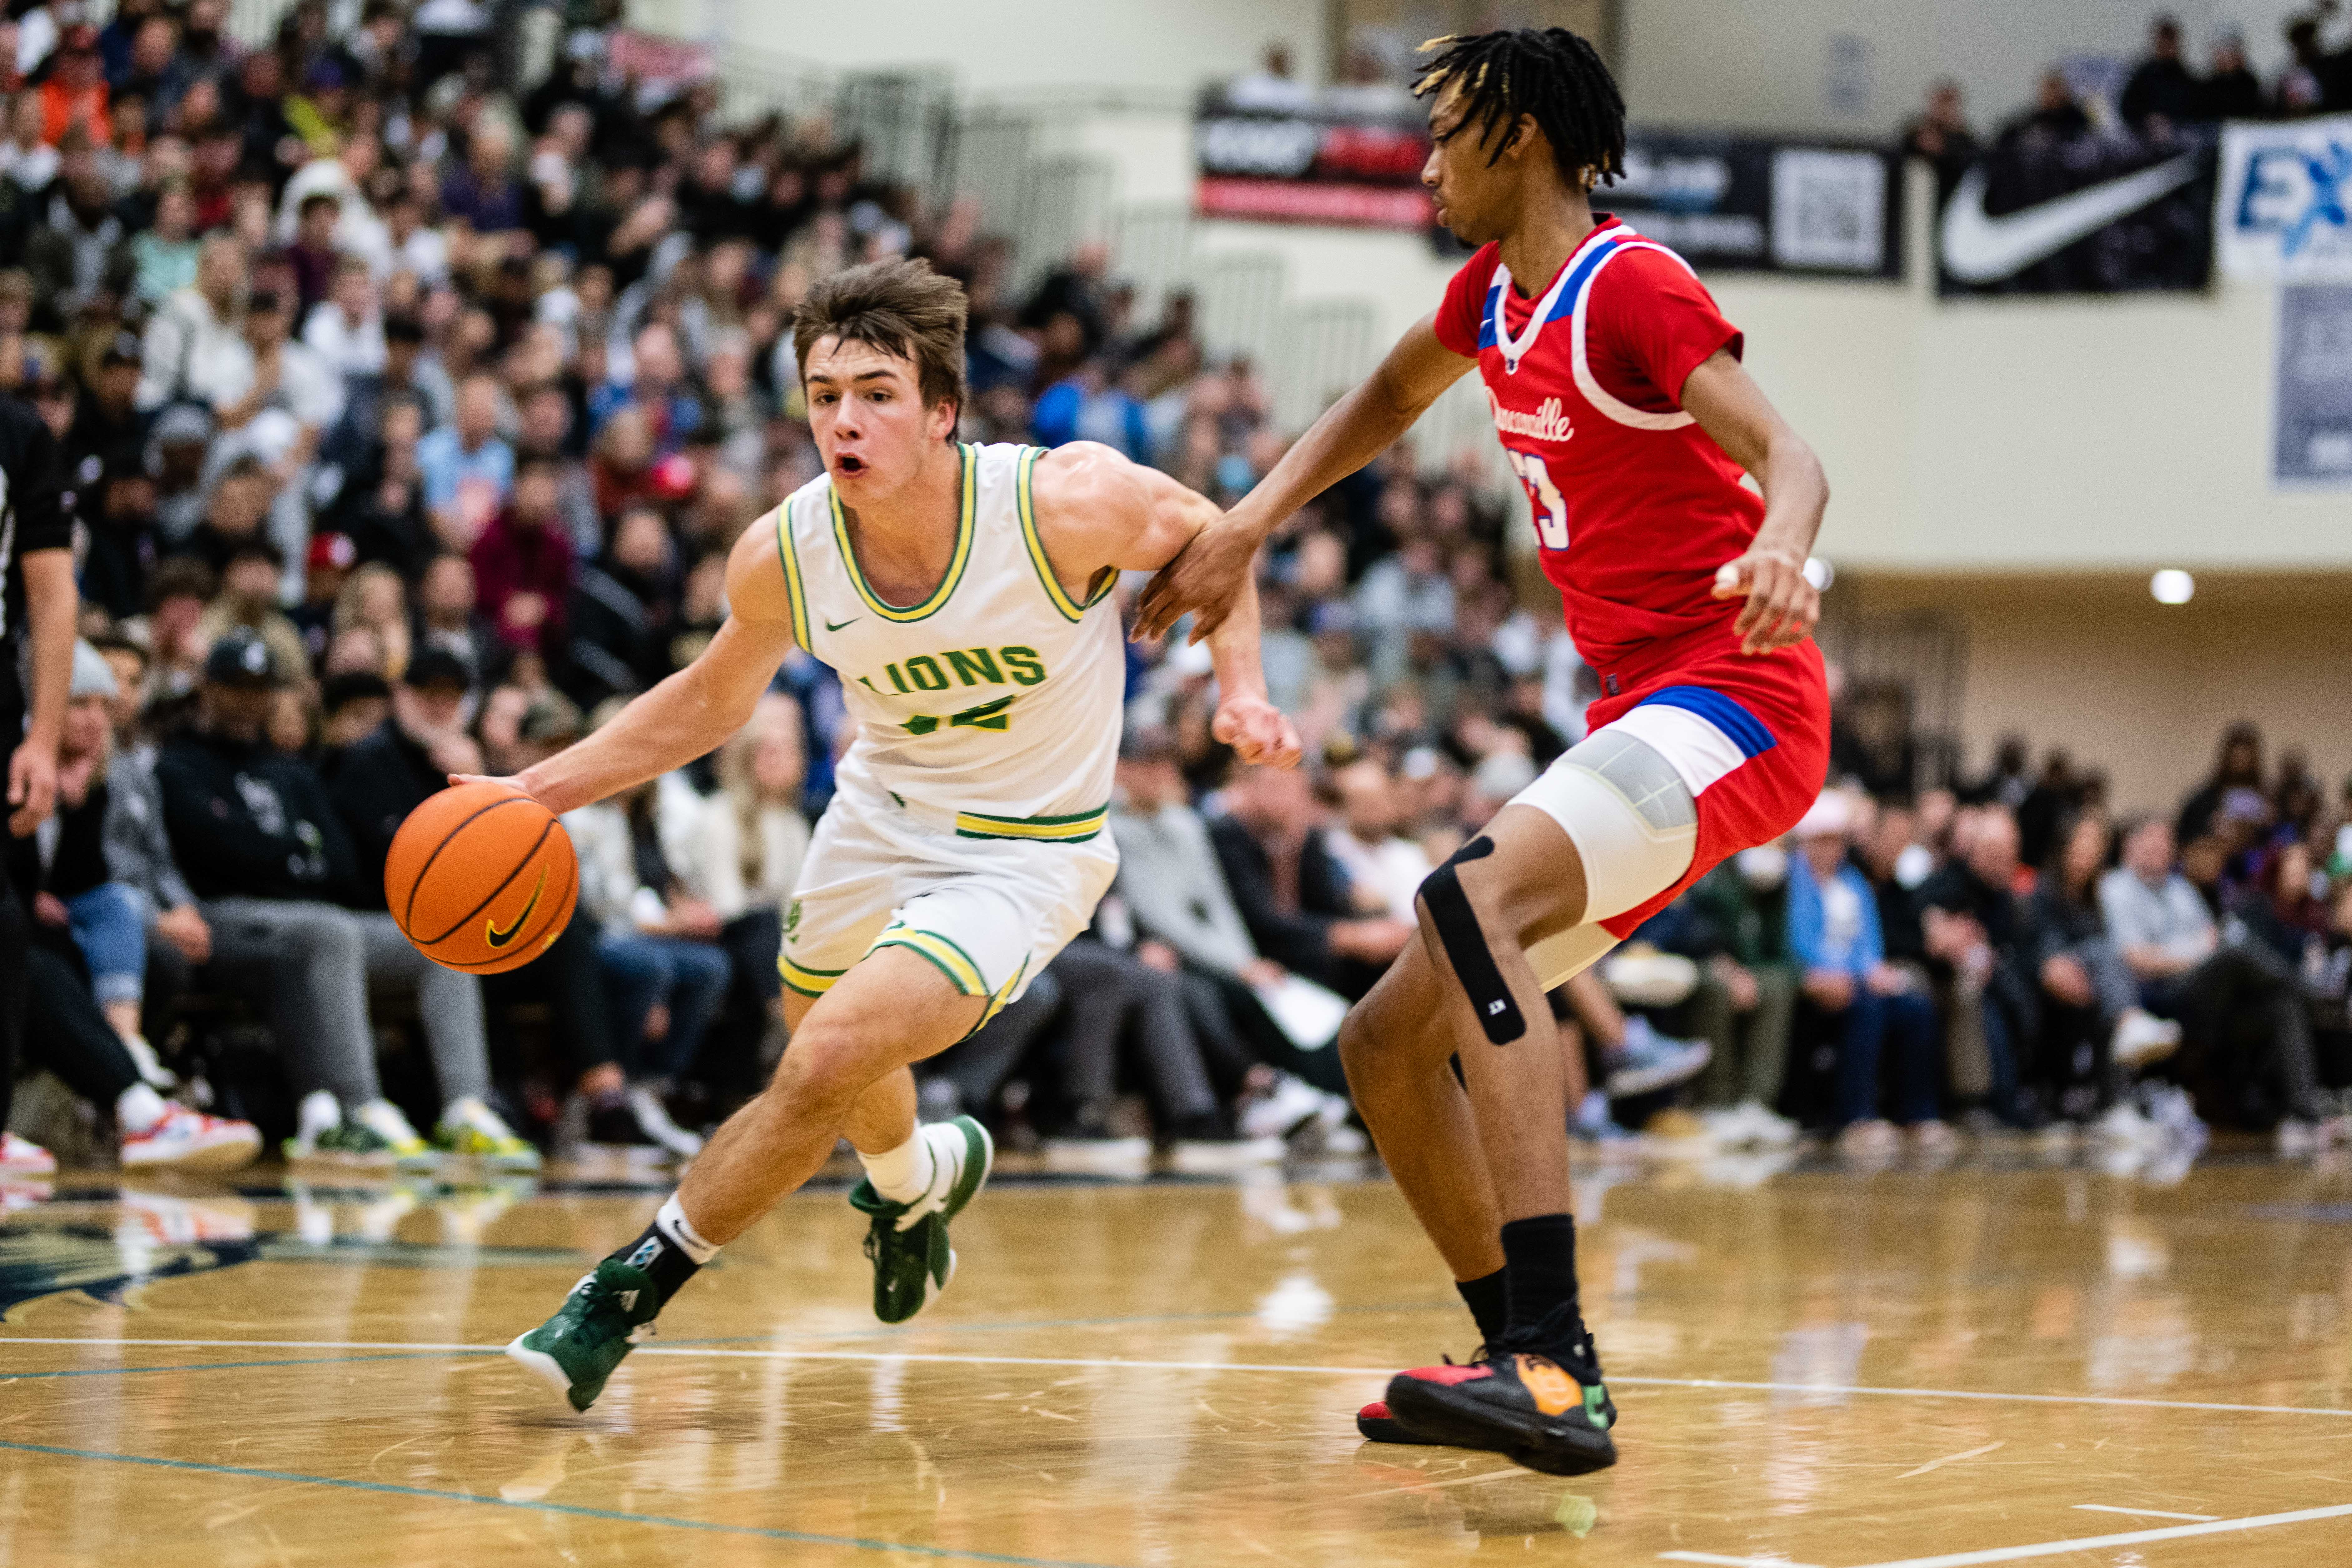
(1749, 204)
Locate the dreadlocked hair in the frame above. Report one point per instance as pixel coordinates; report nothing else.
(1550, 73)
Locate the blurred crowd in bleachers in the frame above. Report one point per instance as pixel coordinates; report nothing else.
(409, 420)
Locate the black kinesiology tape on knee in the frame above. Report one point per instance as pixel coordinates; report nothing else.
(1465, 945)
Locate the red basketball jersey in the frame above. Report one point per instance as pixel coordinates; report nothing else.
(1636, 507)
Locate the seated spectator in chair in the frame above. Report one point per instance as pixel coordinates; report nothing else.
(382, 777)
(266, 852)
(621, 610)
(249, 599)
(79, 890)
(2090, 998)
(748, 840)
(522, 563)
(1833, 935)
(1733, 922)
(1171, 884)
(664, 969)
(2245, 1032)
(1975, 922)
(1292, 895)
(1385, 868)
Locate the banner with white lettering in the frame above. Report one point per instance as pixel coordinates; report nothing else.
(2313, 441)
(2281, 213)
(1726, 203)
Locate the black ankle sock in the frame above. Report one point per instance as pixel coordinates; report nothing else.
(1540, 1267)
(1488, 1302)
(664, 1261)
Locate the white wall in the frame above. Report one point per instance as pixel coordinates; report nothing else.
(1779, 65)
(1001, 46)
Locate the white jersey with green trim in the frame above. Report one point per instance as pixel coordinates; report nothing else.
(993, 706)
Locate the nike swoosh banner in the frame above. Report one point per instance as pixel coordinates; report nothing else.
(2082, 215)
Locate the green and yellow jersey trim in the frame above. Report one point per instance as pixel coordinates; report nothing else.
(793, 591)
(1073, 829)
(950, 960)
(956, 563)
(807, 982)
(1105, 580)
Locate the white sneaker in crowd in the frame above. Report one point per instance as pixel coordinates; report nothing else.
(185, 1140)
(1283, 1110)
(654, 1116)
(1766, 1125)
(23, 1157)
(2142, 1037)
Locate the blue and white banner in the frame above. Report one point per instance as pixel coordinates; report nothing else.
(2311, 439)
(2282, 210)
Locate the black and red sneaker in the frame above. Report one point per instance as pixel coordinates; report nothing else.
(1552, 1416)
(1379, 1427)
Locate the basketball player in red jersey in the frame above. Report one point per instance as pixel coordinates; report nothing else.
(1617, 390)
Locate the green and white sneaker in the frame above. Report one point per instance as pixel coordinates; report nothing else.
(409, 1152)
(575, 1351)
(325, 1136)
(470, 1129)
(909, 1242)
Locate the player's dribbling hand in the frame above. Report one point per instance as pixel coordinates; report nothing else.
(1781, 607)
(1257, 731)
(1205, 578)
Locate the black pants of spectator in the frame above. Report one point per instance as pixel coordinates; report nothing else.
(2012, 1025)
(1111, 997)
(15, 944)
(978, 1065)
(66, 1033)
(1235, 1005)
(564, 979)
(2245, 1031)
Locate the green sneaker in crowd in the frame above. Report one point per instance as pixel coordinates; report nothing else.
(470, 1129)
(575, 1351)
(909, 1242)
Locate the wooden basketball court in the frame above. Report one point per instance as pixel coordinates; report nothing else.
(2003, 1360)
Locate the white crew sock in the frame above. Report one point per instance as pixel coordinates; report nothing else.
(900, 1174)
(678, 1232)
(139, 1108)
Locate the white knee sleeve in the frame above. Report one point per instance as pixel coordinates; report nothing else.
(1634, 820)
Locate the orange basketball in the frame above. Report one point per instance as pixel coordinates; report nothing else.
(481, 878)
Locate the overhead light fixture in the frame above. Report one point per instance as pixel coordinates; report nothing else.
(2172, 587)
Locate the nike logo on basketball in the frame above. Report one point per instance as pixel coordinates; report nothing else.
(1981, 248)
(496, 938)
(837, 625)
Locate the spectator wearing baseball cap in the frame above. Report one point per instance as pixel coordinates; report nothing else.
(250, 586)
(282, 886)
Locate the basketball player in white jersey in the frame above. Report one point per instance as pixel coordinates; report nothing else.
(963, 594)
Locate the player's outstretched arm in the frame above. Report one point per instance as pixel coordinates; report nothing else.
(1207, 579)
(1731, 408)
(1096, 507)
(688, 715)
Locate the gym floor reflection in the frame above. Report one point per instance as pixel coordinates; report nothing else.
(1998, 1360)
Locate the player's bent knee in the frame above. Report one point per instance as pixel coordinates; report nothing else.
(1630, 814)
(1452, 920)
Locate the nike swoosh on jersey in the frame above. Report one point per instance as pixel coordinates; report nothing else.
(1981, 248)
(496, 938)
(837, 625)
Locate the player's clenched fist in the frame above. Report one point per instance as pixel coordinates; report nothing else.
(1781, 607)
(1257, 731)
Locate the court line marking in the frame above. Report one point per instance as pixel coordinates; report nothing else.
(578, 1510)
(2145, 1512)
(1731, 1562)
(2129, 1538)
(1108, 1362)
(232, 1366)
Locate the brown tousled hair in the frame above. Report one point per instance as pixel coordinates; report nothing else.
(900, 307)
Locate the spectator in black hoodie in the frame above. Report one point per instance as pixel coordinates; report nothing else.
(260, 841)
(2160, 93)
(621, 613)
